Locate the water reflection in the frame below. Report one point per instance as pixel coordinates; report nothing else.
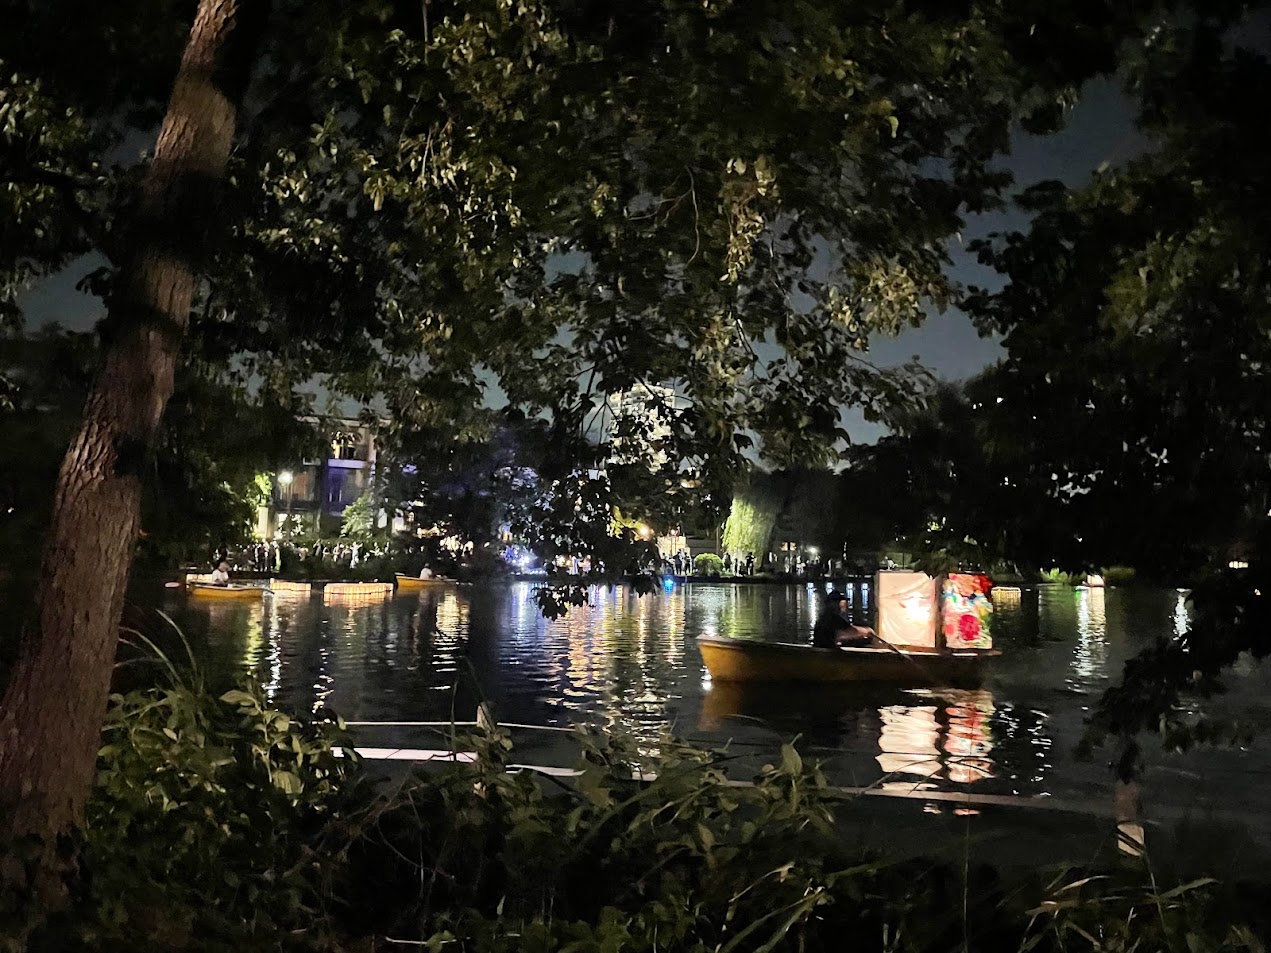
(630, 663)
(919, 739)
(1090, 655)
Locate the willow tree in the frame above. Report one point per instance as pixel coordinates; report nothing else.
(555, 196)
(751, 519)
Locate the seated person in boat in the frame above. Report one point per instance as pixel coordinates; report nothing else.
(220, 575)
(425, 573)
(833, 628)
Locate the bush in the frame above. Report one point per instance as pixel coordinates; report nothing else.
(206, 815)
(223, 823)
(1119, 575)
(215, 823)
(1060, 577)
(708, 564)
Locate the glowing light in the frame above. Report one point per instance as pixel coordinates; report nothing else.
(285, 478)
(1181, 619)
(668, 583)
(1090, 655)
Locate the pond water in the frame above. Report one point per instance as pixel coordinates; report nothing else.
(631, 662)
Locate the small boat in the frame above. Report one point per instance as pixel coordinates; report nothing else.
(414, 583)
(210, 591)
(737, 660)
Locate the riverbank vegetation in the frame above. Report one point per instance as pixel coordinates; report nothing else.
(219, 822)
(427, 212)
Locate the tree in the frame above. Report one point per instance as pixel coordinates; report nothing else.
(927, 488)
(207, 476)
(751, 520)
(1136, 322)
(200, 487)
(467, 485)
(565, 198)
(50, 714)
(358, 521)
(1138, 326)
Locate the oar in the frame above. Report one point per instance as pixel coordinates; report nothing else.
(906, 656)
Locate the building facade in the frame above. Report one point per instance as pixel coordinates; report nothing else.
(639, 421)
(323, 485)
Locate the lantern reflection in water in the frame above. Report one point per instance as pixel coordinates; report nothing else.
(952, 741)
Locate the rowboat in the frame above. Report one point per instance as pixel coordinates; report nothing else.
(735, 660)
(209, 591)
(415, 584)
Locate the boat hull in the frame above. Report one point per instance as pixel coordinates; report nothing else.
(735, 660)
(415, 584)
(208, 591)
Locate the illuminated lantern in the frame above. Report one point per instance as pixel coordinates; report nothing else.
(966, 611)
(906, 608)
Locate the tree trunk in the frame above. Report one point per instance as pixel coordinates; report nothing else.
(52, 709)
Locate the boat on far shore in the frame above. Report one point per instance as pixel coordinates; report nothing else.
(740, 660)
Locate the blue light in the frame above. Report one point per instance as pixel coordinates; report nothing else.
(668, 583)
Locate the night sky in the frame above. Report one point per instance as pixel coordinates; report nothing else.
(1100, 129)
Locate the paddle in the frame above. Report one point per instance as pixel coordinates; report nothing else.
(906, 656)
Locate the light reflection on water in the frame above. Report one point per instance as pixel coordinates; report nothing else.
(630, 663)
(1090, 655)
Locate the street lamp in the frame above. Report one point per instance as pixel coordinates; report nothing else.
(284, 480)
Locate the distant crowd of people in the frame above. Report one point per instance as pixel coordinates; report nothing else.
(274, 556)
(786, 564)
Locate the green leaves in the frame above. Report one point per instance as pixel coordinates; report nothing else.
(207, 811)
(204, 828)
(241, 699)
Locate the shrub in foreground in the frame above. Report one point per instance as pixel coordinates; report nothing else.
(222, 823)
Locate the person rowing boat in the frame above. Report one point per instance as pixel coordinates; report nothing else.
(834, 629)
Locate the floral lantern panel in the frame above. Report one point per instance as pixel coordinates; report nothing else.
(966, 611)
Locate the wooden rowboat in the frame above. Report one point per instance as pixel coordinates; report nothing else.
(209, 591)
(414, 583)
(735, 660)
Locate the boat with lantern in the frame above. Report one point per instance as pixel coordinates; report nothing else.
(736, 660)
(931, 632)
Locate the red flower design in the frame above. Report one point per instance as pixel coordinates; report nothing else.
(969, 627)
